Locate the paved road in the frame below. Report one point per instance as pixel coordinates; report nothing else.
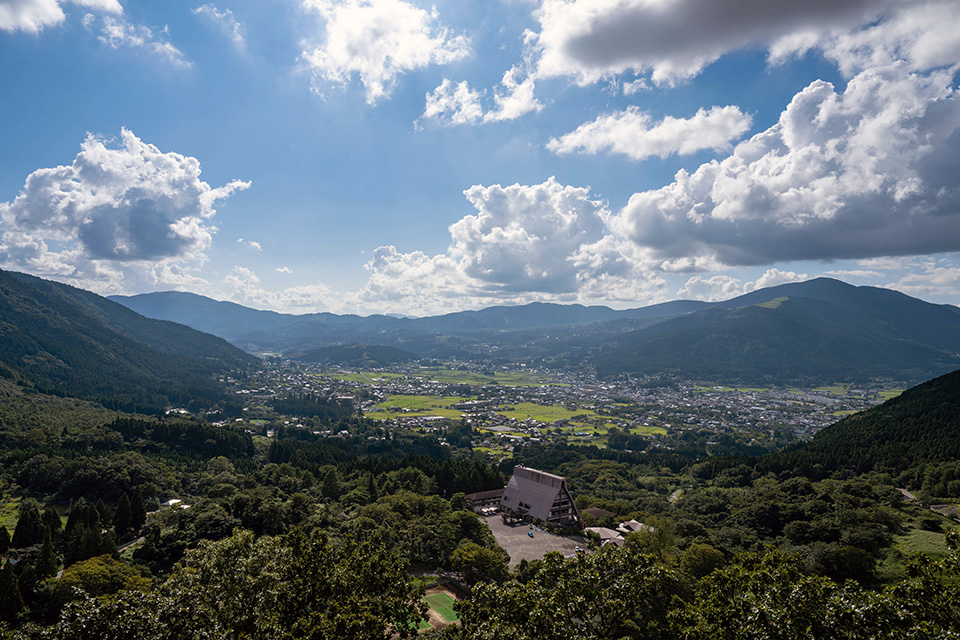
(520, 546)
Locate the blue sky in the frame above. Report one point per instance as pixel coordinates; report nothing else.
(396, 156)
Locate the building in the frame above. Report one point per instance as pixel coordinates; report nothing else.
(539, 495)
(484, 501)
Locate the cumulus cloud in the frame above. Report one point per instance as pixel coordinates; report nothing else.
(589, 40)
(225, 21)
(921, 34)
(870, 171)
(453, 104)
(33, 16)
(526, 242)
(634, 134)
(724, 287)
(253, 244)
(116, 211)
(378, 42)
(244, 287)
(283, 270)
(456, 104)
(117, 33)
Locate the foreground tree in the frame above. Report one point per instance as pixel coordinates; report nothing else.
(293, 587)
(611, 594)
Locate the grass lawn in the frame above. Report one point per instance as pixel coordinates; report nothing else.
(505, 378)
(932, 543)
(10, 512)
(417, 406)
(442, 603)
(542, 413)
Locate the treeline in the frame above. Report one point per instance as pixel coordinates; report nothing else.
(313, 407)
(198, 438)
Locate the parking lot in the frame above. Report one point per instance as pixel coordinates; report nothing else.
(521, 546)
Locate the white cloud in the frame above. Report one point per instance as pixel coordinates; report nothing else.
(453, 104)
(116, 33)
(253, 244)
(924, 35)
(526, 242)
(243, 287)
(772, 278)
(516, 99)
(589, 40)
(225, 21)
(128, 212)
(867, 172)
(378, 41)
(457, 104)
(283, 270)
(723, 287)
(33, 16)
(710, 288)
(634, 133)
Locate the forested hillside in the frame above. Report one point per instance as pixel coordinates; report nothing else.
(66, 341)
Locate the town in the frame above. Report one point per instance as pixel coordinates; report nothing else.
(512, 406)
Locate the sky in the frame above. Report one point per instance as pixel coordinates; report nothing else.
(407, 157)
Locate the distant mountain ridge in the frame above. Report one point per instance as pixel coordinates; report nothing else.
(819, 330)
(810, 331)
(66, 341)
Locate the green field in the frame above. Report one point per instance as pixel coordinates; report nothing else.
(543, 413)
(417, 406)
(10, 512)
(889, 393)
(442, 604)
(505, 378)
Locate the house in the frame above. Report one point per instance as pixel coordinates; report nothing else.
(539, 495)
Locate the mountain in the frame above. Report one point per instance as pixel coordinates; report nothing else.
(820, 330)
(253, 329)
(64, 341)
(920, 426)
(357, 355)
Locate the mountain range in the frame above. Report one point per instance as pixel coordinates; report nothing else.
(61, 340)
(813, 331)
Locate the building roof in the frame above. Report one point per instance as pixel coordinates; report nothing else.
(535, 488)
(596, 512)
(485, 495)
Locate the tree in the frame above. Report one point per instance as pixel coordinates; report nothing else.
(272, 588)
(137, 511)
(479, 564)
(11, 602)
(123, 517)
(51, 519)
(700, 560)
(4, 539)
(29, 529)
(47, 560)
(331, 485)
(610, 594)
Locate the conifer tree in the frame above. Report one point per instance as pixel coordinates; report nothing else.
(123, 517)
(47, 561)
(51, 519)
(4, 540)
(11, 602)
(137, 510)
(29, 529)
